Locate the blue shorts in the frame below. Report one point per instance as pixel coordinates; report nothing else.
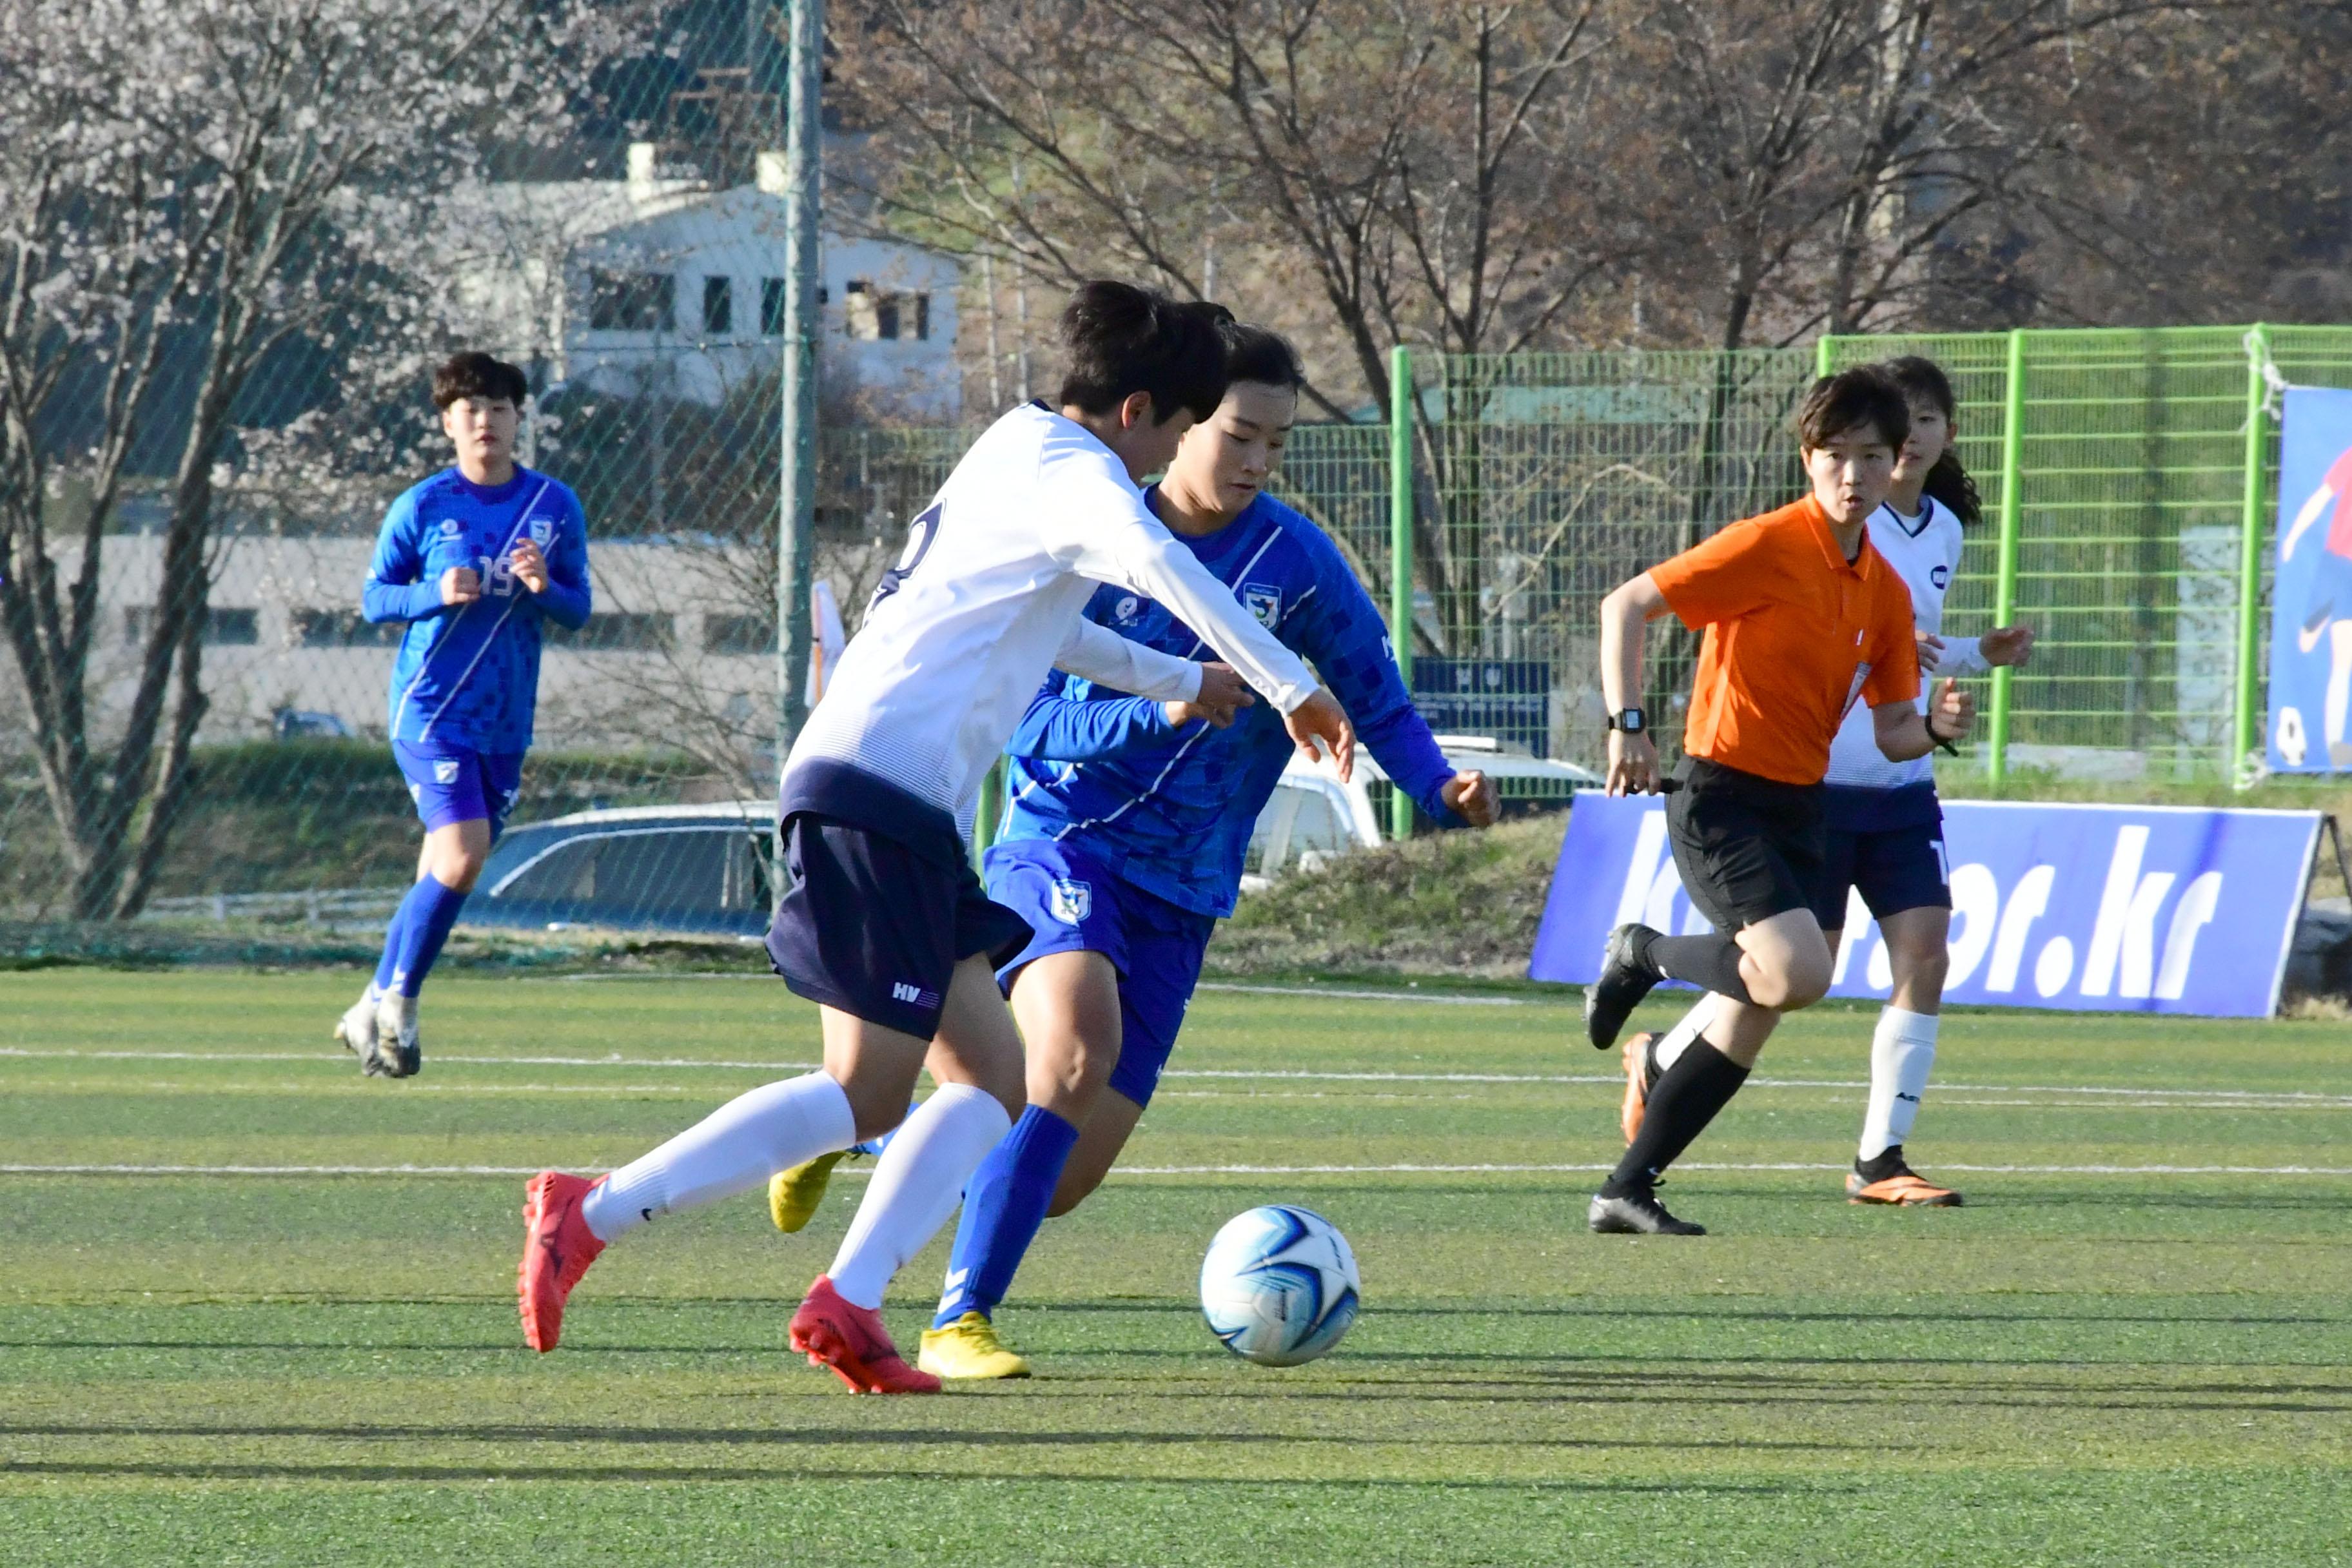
(1894, 870)
(457, 785)
(880, 903)
(1076, 905)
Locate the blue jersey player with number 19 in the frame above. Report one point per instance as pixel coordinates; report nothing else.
(1126, 823)
(477, 560)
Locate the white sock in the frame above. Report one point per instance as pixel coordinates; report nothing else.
(1902, 1049)
(917, 1185)
(1687, 1028)
(737, 1146)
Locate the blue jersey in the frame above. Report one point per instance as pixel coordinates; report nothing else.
(1170, 809)
(467, 678)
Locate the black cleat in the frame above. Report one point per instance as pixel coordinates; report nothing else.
(1636, 1213)
(1624, 981)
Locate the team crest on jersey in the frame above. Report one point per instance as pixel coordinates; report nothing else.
(451, 528)
(1126, 609)
(444, 773)
(541, 531)
(1264, 602)
(1073, 901)
(1939, 574)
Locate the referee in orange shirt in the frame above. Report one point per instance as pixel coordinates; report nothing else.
(1801, 617)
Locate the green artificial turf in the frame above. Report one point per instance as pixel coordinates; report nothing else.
(2131, 1346)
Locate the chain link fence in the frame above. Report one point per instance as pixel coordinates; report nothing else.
(200, 441)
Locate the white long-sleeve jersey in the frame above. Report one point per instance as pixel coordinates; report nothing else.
(988, 597)
(1925, 552)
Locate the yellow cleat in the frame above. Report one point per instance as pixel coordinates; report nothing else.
(969, 1347)
(794, 1195)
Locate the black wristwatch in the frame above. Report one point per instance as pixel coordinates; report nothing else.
(1631, 721)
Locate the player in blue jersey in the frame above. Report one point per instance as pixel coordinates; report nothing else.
(475, 560)
(1125, 830)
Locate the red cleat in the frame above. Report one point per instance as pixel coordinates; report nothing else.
(557, 1248)
(851, 1340)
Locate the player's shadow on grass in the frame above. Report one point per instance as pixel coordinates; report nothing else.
(168, 1470)
(717, 1437)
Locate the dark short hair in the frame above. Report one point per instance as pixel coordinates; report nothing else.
(1850, 399)
(1260, 354)
(475, 374)
(1121, 340)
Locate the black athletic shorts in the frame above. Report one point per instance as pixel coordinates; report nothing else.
(880, 901)
(1748, 847)
(1893, 869)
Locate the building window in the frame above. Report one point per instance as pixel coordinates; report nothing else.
(718, 306)
(610, 631)
(873, 315)
(223, 627)
(739, 634)
(631, 301)
(771, 304)
(860, 319)
(344, 629)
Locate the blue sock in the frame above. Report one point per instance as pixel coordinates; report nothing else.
(425, 917)
(393, 931)
(1003, 1207)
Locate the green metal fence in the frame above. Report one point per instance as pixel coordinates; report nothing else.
(2126, 476)
(2132, 473)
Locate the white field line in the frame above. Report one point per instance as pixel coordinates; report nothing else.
(131, 1170)
(2246, 1098)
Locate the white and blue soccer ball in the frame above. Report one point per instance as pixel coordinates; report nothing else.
(1279, 1286)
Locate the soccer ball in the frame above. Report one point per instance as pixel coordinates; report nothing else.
(1279, 1285)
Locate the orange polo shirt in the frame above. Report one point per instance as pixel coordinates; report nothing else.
(1790, 626)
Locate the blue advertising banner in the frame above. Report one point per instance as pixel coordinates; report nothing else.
(1507, 699)
(2311, 601)
(2087, 907)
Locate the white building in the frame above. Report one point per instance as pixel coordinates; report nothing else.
(660, 285)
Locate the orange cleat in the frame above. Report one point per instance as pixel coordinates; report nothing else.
(1639, 1076)
(851, 1340)
(557, 1248)
(1905, 1189)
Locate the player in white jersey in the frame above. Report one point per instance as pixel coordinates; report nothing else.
(1885, 834)
(883, 923)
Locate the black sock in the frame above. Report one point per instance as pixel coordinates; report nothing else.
(1711, 962)
(1887, 1163)
(1688, 1097)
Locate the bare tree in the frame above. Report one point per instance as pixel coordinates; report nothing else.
(206, 184)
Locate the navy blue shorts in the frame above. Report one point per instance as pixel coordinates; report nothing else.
(880, 901)
(1893, 869)
(1076, 905)
(452, 784)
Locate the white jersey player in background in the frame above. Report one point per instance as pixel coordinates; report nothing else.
(883, 923)
(1885, 836)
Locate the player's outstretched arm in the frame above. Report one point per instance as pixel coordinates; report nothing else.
(1903, 733)
(1059, 728)
(1338, 629)
(1095, 653)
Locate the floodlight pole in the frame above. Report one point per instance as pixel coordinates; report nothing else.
(796, 491)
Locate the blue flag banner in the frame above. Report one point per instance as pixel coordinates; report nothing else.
(2086, 908)
(2311, 600)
